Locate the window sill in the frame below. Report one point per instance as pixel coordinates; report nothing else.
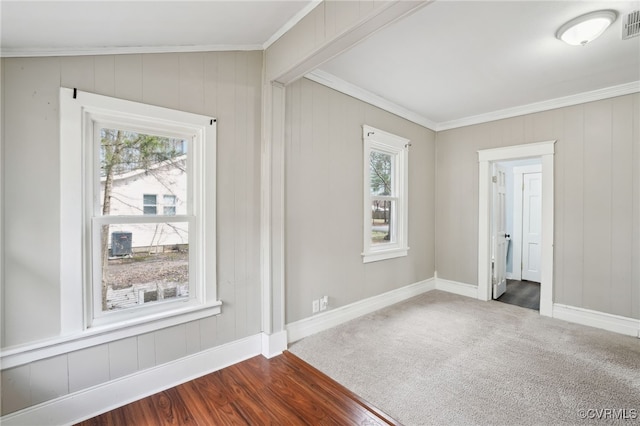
(384, 254)
(20, 355)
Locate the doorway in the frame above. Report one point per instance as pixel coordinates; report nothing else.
(487, 252)
(521, 183)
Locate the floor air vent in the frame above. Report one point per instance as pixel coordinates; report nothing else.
(631, 25)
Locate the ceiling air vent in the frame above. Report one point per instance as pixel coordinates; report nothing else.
(631, 25)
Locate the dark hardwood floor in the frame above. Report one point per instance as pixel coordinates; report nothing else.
(522, 293)
(283, 390)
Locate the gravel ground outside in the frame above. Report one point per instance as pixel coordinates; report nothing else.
(152, 277)
(143, 268)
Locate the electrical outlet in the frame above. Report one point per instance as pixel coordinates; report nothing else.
(315, 306)
(324, 303)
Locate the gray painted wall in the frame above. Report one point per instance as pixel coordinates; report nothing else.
(226, 85)
(324, 184)
(597, 199)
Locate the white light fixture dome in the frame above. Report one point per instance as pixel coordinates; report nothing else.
(586, 28)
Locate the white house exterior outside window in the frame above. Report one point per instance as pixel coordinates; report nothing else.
(135, 191)
(385, 195)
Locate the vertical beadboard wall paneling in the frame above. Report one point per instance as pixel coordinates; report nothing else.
(225, 85)
(32, 297)
(161, 80)
(457, 226)
(226, 239)
(569, 286)
(622, 206)
(253, 125)
(191, 80)
(597, 206)
(240, 182)
(559, 213)
(128, 77)
(596, 209)
(324, 201)
(105, 72)
(78, 72)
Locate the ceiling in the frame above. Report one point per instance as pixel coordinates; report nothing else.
(63, 27)
(450, 63)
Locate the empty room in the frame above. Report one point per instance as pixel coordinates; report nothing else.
(320, 212)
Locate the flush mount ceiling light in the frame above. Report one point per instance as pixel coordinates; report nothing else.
(586, 28)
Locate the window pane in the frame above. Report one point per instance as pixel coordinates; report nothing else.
(149, 199)
(150, 210)
(133, 166)
(381, 172)
(144, 263)
(382, 222)
(169, 208)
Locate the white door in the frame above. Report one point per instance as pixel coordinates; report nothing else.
(531, 225)
(499, 238)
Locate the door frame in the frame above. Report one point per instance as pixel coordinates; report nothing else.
(544, 150)
(516, 235)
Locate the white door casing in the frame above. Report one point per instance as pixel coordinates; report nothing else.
(545, 151)
(498, 233)
(531, 225)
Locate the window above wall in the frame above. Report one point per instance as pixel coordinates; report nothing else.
(385, 195)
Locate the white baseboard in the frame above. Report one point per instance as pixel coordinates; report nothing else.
(455, 287)
(615, 323)
(87, 403)
(308, 326)
(274, 344)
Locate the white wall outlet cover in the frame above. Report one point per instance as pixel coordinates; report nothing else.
(324, 303)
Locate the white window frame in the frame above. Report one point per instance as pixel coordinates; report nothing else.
(396, 146)
(145, 204)
(81, 116)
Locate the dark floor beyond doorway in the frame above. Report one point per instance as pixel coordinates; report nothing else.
(522, 293)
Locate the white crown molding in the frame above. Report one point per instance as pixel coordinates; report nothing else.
(291, 23)
(333, 82)
(114, 50)
(580, 98)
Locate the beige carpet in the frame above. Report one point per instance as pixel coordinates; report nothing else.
(443, 359)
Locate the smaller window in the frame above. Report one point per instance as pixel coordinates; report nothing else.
(169, 208)
(385, 195)
(149, 204)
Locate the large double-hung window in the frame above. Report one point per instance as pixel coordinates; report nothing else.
(139, 191)
(385, 195)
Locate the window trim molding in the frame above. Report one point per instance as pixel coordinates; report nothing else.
(75, 108)
(379, 140)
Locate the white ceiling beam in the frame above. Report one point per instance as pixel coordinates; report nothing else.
(379, 18)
